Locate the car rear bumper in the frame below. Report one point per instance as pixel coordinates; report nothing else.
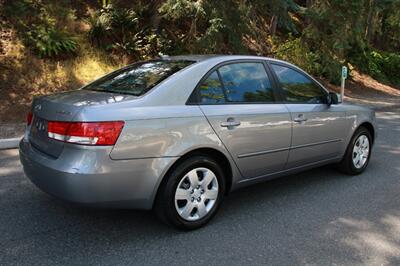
(88, 175)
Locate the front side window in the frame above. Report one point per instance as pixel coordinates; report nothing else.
(297, 87)
(246, 82)
(139, 78)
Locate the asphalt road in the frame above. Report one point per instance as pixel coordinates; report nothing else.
(317, 217)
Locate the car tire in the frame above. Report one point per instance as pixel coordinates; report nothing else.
(349, 164)
(179, 193)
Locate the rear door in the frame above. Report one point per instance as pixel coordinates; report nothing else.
(318, 128)
(238, 99)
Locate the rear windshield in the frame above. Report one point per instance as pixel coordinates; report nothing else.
(138, 78)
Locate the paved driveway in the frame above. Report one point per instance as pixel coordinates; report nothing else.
(317, 217)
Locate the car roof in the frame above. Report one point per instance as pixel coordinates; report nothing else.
(199, 58)
(222, 58)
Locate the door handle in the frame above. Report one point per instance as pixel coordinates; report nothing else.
(230, 122)
(300, 118)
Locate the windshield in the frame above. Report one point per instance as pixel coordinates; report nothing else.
(138, 78)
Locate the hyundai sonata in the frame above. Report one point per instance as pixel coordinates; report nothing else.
(176, 134)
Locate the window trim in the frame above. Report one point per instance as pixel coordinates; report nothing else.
(194, 98)
(222, 85)
(282, 93)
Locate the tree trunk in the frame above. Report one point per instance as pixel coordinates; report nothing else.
(383, 40)
(309, 3)
(368, 28)
(273, 25)
(155, 15)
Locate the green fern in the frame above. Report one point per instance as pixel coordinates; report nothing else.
(50, 42)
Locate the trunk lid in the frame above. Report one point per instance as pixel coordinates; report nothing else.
(63, 107)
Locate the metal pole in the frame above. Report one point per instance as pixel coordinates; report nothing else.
(344, 76)
(342, 88)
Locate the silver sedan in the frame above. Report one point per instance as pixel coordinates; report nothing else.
(176, 134)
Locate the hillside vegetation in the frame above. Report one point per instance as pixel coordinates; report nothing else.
(49, 46)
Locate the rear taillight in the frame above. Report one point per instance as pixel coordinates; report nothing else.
(29, 118)
(87, 133)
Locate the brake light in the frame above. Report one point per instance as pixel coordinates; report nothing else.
(86, 133)
(29, 118)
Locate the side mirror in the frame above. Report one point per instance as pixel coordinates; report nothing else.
(333, 98)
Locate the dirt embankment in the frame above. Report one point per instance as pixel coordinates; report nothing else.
(23, 75)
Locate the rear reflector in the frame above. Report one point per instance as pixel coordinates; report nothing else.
(86, 133)
(29, 118)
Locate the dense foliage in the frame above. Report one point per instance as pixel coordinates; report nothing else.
(39, 29)
(318, 35)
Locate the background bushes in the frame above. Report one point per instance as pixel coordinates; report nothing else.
(317, 35)
(43, 33)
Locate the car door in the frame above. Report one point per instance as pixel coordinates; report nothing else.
(238, 100)
(319, 129)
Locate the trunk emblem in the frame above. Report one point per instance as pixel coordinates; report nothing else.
(62, 112)
(40, 126)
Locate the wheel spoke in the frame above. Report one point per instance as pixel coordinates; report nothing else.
(365, 140)
(211, 194)
(209, 176)
(201, 209)
(193, 178)
(358, 143)
(187, 210)
(356, 160)
(182, 194)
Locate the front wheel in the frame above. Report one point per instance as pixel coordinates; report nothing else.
(191, 194)
(358, 153)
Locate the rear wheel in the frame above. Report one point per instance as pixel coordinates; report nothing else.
(191, 194)
(358, 153)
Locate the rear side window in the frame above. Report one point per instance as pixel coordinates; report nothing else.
(246, 82)
(211, 91)
(297, 87)
(139, 78)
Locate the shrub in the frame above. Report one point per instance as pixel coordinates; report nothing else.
(316, 63)
(100, 28)
(116, 29)
(120, 30)
(384, 66)
(38, 28)
(50, 42)
(294, 51)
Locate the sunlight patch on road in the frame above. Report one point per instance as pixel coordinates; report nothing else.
(10, 170)
(375, 242)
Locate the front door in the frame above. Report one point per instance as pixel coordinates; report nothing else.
(239, 102)
(318, 128)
